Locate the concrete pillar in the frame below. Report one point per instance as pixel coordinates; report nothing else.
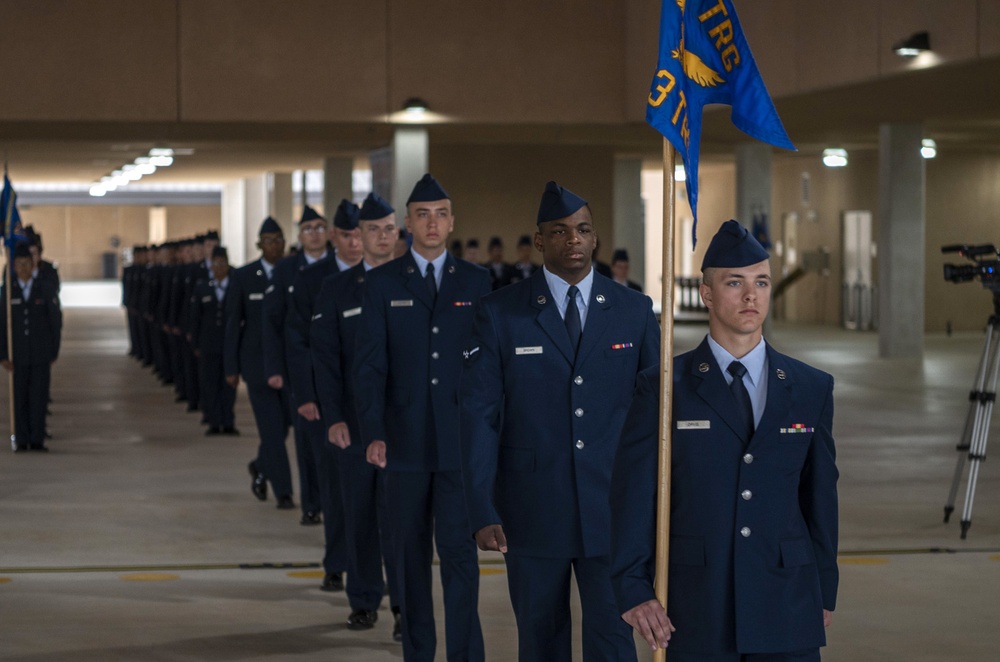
(232, 234)
(245, 203)
(338, 183)
(629, 218)
(901, 221)
(157, 224)
(410, 150)
(283, 202)
(753, 193)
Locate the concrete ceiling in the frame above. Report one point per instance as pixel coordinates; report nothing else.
(959, 106)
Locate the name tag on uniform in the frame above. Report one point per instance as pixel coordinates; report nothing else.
(317, 316)
(694, 425)
(206, 299)
(351, 312)
(14, 302)
(400, 303)
(256, 296)
(520, 351)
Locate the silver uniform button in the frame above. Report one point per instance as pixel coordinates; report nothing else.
(579, 413)
(434, 329)
(745, 532)
(746, 494)
(748, 458)
(434, 381)
(434, 355)
(579, 443)
(578, 380)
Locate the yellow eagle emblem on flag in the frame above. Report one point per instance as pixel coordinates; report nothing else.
(693, 66)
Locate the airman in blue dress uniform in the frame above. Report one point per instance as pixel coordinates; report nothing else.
(753, 500)
(243, 354)
(301, 302)
(313, 239)
(36, 325)
(417, 320)
(208, 330)
(333, 333)
(548, 380)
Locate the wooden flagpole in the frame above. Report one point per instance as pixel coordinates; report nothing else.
(666, 381)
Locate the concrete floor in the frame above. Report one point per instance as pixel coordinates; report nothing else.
(136, 538)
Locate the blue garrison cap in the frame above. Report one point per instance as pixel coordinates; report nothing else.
(21, 249)
(269, 226)
(220, 251)
(346, 217)
(212, 234)
(374, 208)
(558, 202)
(733, 246)
(620, 255)
(427, 190)
(309, 214)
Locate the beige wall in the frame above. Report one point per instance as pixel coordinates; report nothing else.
(75, 237)
(559, 61)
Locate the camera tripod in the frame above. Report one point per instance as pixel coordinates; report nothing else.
(977, 422)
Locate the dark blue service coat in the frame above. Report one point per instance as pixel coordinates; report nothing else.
(539, 425)
(753, 523)
(409, 361)
(333, 332)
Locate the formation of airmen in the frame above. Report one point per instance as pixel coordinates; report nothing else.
(36, 331)
(174, 294)
(350, 386)
(435, 401)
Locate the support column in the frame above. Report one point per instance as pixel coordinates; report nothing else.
(232, 234)
(753, 193)
(283, 202)
(338, 183)
(901, 230)
(409, 163)
(629, 218)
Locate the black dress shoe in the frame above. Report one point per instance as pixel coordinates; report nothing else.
(311, 518)
(362, 619)
(213, 431)
(285, 503)
(19, 448)
(192, 407)
(397, 629)
(180, 398)
(258, 485)
(231, 431)
(334, 581)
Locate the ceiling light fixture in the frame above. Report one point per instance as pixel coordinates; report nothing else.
(415, 106)
(835, 157)
(928, 148)
(917, 43)
(159, 157)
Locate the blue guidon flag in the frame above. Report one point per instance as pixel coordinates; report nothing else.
(704, 58)
(10, 218)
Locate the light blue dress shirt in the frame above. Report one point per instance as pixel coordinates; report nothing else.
(560, 292)
(755, 378)
(438, 265)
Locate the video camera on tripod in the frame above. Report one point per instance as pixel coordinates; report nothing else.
(972, 445)
(985, 265)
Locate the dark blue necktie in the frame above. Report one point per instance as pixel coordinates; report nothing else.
(431, 281)
(573, 319)
(742, 396)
